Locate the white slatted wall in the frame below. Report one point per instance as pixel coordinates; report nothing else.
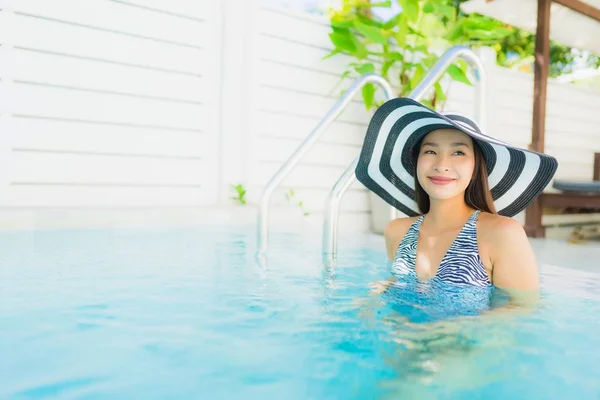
(109, 102)
(294, 90)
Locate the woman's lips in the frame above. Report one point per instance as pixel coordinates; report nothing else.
(440, 180)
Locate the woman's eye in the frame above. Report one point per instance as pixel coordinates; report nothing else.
(429, 152)
(460, 153)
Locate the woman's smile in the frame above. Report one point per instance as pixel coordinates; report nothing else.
(440, 180)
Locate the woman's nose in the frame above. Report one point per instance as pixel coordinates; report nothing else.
(441, 164)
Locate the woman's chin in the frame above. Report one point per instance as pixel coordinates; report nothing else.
(441, 193)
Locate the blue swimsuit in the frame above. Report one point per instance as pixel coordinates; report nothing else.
(461, 265)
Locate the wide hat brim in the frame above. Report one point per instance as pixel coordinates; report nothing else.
(515, 176)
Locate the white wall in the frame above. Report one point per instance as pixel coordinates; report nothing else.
(152, 103)
(293, 90)
(109, 103)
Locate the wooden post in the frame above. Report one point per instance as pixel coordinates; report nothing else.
(533, 214)
(596, 167)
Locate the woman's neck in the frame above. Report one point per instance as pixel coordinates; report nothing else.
(448, 213)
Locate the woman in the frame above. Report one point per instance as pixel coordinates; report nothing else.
(459, 189)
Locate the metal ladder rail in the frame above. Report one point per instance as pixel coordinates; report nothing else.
(330, 224)
(286, 168)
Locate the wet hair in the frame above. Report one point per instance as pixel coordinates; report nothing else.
(477, 193)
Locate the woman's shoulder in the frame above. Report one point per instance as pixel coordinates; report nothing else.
(394, 232)
(498, 224)
(399, 226)
(499, 230)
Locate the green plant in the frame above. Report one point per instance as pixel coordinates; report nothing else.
(405, 47)
(240, 196)
(289, 195)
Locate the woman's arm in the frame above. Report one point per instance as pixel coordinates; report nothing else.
(514, 266)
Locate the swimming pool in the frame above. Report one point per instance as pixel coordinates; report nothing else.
(188, 313)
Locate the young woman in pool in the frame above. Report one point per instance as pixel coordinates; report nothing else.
(459, 189)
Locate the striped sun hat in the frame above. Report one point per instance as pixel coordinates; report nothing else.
(516, 176)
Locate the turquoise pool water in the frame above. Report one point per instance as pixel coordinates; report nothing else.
(189, 314)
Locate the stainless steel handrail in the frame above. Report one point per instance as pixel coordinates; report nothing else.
(330, 224)
(286, 168)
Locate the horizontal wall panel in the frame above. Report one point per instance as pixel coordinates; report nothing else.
(288, 25)
(104, 196)
(52, 36)
(119, 17)
(282, 101)
(71, 136)
(53, 69)
(299, 127)
(59, 102)
(48, 167)
(304, 80)
(325, 154)
(297, 54)
(193, 9)
(303, 176)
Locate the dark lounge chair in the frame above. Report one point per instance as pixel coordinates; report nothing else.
(574, 196)
(581, 194)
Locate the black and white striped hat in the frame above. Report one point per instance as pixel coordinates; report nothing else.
(516, 176)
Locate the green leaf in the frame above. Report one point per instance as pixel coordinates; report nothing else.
(414, 31)
(393, 55)
(368, 68)
(458, 74)
(372, 33)
(369, 21)
(430, 60)
(418, 75)
(340, 23)
(439, 92)
(368, 93)
(361, 51)
(342, 42)
(410, 8)
(342, 30)
(422, 48)
(331, 53)
(387, 3)
(409, 65)
(447, 11)
(400, 34)
(392, 22)
(386, 67)
(428, 8)
(455, 34)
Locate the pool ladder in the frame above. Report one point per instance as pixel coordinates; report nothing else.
(330, 223)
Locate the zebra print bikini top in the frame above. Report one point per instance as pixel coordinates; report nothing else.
(460, 265)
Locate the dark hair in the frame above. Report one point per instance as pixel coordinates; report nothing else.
(477, 194)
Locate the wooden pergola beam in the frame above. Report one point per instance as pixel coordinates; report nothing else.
(581, 8)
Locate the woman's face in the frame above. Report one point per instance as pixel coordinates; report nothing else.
(446, 163)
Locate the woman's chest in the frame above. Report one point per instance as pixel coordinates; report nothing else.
(446, 256)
